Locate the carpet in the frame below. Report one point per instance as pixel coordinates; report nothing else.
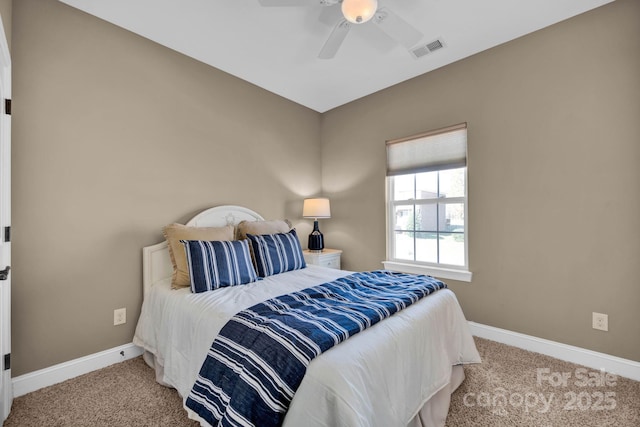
(512, 387)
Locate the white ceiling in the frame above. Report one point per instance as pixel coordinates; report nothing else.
(276, 48)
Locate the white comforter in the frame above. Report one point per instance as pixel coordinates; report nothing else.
(379, 377)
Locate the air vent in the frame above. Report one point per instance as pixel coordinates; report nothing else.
(434, 45)
(422, 50)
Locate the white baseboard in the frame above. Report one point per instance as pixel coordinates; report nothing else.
(592, 359)
(55, 374)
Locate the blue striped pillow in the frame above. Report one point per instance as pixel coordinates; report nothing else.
(276, 253)
(214, 265)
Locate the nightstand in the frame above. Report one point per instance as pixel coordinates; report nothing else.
(327, 258)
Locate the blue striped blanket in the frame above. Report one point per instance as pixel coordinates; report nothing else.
(258, 360)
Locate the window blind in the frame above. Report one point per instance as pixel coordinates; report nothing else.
(430, 151)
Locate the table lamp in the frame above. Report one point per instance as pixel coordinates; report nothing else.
(316, 208)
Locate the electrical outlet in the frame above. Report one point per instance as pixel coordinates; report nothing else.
(119, 316)
(600, 321)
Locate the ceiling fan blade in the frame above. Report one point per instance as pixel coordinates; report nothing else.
(330, 15)
(397, 28)
(286, 3)
(335, 40)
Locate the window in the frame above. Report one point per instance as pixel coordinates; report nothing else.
(427, 204)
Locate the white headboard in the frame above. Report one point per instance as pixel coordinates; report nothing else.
(156, 264)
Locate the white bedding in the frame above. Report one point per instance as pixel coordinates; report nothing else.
(379, 377)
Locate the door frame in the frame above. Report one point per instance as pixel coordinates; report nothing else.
(6, 389)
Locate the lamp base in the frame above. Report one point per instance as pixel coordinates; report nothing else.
(316, 239)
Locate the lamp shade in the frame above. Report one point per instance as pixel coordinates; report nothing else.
(316, 208)
(359, 11)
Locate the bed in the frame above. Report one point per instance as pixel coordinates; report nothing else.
(399, 372)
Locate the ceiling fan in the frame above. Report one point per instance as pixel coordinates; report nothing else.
(357, 12)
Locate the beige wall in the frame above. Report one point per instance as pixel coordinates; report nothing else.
(114, 137)
(554, 183)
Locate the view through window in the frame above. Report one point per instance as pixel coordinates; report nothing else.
(429, 221)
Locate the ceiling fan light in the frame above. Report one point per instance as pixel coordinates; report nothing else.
(359, 11)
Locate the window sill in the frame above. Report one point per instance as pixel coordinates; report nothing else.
(439, 272)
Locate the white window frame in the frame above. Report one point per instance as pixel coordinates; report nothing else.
(440, 270)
